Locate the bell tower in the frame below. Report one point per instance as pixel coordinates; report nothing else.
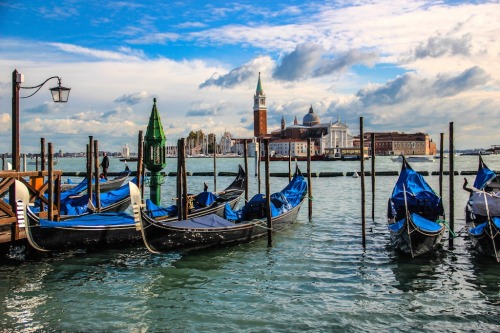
(259, 111)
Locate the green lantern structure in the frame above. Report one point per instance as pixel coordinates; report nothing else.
(154, 153)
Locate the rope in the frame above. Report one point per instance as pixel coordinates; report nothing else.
(443, 222)
(310, 198)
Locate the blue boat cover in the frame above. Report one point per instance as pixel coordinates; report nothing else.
(207, 221)
(281, 202)
(419, 221)
(92, 220)
(204, 199)
(157, 211)
(79, 205)
(479, 229)
(425, 224)
(484, 175)
(417, 190)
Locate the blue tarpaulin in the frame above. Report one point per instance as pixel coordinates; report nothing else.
(484, 176)
(281, 202)
(418, 192)
(93, 220)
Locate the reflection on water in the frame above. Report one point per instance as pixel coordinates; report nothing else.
(316, 277)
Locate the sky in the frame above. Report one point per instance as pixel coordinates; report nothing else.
(405, 66)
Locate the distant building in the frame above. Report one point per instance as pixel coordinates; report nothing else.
(259, 111)
(226, 143)
(394, 143)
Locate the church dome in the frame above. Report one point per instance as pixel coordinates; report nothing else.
(311, 118)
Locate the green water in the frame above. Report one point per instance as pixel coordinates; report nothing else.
(317, 277)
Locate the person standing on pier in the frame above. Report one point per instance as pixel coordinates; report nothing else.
(105, 165)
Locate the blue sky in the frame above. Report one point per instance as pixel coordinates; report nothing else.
(403, 65)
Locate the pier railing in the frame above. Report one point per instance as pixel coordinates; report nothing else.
(38, 183)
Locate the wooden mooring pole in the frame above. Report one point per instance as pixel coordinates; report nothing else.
(42, 154)
(97, 177)
(363, 194)
(268, 196)
(441, 164)
(372, 143)
(452, 189)
(179, 182)
(258, 164)
(289, 161)
(89, 170)
(51, 183)
(140, 141)
(185, 202)
(245, 159)
(215, 164)
(309, 183)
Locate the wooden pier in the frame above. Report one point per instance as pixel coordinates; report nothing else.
(38, 183)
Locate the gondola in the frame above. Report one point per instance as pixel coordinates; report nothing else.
(204, 203)
(97, 230)
(237, 227)
(104, 185)
(414, 214)
(482, 212)
(113, 201)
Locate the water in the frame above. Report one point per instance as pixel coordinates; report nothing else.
(316, 277)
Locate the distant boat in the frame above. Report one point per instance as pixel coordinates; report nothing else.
(355, 175)
(414, 158)
(129, 159)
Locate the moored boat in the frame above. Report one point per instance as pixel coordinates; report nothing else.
(415, 214)
(236, 227)
(482, 212)
(97, 230)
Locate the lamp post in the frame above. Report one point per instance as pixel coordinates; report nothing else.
(154, 153)
(60, 94)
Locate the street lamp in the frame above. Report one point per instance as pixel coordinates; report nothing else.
(60, 94)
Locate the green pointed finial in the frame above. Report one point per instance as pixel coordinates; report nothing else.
(154, 100)
(259, 89)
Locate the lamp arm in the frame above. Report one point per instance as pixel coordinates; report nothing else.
(40, 85)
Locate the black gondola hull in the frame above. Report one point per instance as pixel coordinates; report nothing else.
(414, 241)
(162, 237)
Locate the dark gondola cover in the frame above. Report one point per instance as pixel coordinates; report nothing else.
(240, 226)
(92, 230)
(414, 213)
(482, 212)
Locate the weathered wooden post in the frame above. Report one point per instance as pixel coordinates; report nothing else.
(363, 194)
(289, 161)
(309, 183)
(215, 165)
(140, 157)
(185, 201)
(372, 143)
(441, 164)
(89, 170)
(258, 165)
(97, 178)
(452, 189)
(246, 169)
(180, 210)
(42, 154)
(51, 183)
(268, 196)
(154, 155)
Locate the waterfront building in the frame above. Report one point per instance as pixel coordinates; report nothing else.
(395, 143)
